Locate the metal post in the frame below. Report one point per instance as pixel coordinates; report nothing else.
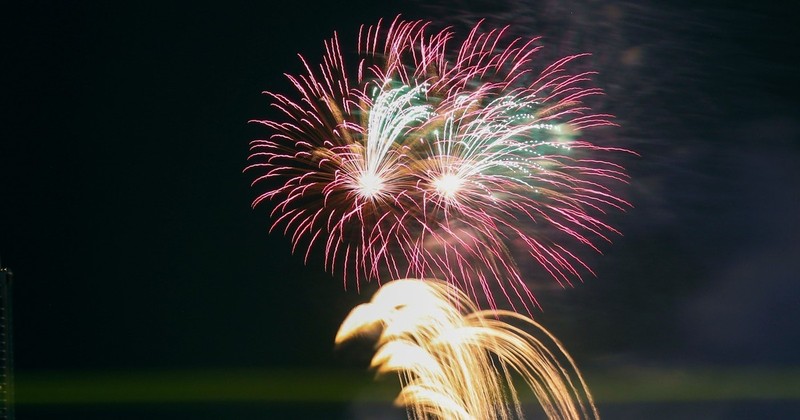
(6, 347)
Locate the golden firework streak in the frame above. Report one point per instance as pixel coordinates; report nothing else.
(458, 362)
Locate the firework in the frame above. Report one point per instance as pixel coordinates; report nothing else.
(437, 157)
(457, 362)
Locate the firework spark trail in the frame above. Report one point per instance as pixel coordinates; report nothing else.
(432, 163)
(457, 362)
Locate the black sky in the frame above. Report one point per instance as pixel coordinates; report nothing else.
(125, 215)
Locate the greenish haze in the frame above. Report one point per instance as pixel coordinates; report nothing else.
(655, 385)
(235, 385)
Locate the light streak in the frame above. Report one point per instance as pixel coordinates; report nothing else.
(440, 159)
(455, 361)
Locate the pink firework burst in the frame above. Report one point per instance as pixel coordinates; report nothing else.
(434, 161)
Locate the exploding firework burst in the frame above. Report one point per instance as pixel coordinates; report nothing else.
(438, 161)
(457, 362)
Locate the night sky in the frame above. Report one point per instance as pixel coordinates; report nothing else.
(126, 217)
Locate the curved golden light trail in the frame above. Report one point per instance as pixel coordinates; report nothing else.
(455, 361)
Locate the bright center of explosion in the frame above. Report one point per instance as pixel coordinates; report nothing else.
(369, 185)
(448, 185)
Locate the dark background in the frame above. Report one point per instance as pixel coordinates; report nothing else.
(125, 216)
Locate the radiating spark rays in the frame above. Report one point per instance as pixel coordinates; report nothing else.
(437, 157)
(390, 117)
(455, 361)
